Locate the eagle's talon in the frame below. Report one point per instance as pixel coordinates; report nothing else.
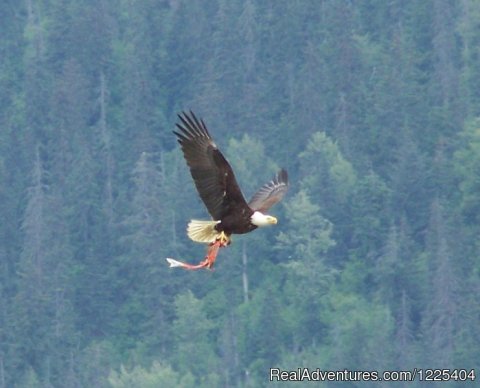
(223, 240)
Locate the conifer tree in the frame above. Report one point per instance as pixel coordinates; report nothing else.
(440, 322)
(44, 292)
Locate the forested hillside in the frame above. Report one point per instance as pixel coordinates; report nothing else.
(372, 106)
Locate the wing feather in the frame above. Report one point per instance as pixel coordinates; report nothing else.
(270, 193)
(211, 172)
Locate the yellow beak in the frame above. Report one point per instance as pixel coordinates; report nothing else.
(272, 220)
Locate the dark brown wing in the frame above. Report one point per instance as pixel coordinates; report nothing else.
(211, 172)
(270, 193)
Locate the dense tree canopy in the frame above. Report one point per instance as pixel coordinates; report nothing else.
(373, 108)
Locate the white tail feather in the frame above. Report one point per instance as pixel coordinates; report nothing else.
(202, 231)
(174, 263)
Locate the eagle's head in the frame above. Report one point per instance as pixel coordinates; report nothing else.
(260, 219)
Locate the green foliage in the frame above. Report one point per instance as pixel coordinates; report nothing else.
(45, 316)
(467, 164)
(309, 232)
(369, 214)
(439, 321)
(193, 333)
(254, 168)
(330, 181)
(411, 178)
(261, 331)
(157, 375)
(334, 177)
(371, 106)
(359, 329)
(29, 379)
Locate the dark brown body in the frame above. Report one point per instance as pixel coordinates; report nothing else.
(236, 222)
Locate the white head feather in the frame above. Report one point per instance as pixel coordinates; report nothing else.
(260, 219)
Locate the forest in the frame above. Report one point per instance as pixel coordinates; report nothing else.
(372, 106)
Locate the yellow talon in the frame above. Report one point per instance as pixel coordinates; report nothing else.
(223, 238)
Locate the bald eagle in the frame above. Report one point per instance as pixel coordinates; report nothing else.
(219, 190)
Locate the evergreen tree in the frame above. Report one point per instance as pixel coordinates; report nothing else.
(196, 354)
(157, 376)
(140, 270)
(410, 178)
(405, 355)
(359, 330)
(445, 85)
(44, 327)
(467, 162)
(439, 321)
(468, 28)
(306, 245)
(374, 262)
(370, 215)
(329, 179)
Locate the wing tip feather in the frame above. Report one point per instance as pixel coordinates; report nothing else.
(192, 126)
(282, 176)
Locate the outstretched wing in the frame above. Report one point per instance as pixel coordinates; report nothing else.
(270, 193)
(210, 171)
